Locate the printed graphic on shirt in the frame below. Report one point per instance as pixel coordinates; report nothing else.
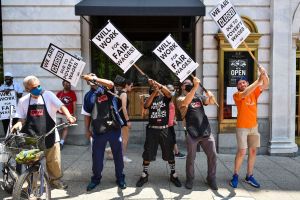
(158, 111)
(66, 100)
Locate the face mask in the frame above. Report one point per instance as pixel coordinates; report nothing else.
(8, 81)
(36, 91)
(173, 93)
(188, 88)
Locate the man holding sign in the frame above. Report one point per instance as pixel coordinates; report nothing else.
(157, 132)
(198, 131)
(246, 128)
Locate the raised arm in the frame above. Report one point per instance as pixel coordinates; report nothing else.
(92, 77)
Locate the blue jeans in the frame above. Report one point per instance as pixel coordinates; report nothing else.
(99, 143)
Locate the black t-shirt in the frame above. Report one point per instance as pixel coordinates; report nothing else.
(159, 111)
(197, 124)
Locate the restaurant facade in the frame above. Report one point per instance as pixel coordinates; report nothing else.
(28, 26)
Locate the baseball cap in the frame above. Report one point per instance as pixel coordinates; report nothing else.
(8, 74)
(244, 78)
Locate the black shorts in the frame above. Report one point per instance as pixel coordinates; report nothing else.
(155, 137)
(172, 133)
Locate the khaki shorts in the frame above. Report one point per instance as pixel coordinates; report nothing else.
(247, 137)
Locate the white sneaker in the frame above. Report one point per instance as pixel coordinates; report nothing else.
(126, 159)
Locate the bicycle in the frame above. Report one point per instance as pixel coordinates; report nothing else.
(33, 183)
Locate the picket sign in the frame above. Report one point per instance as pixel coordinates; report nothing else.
(111, 41)
(62, 64)
(6, 102)
(175, 58)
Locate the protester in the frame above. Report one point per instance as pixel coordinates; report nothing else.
(172, 122)
(103, 124)
(37, 116)
(157, 132)
(247, 134)
(123, 104)
(10, 85)
(68, 97)
(198, 131)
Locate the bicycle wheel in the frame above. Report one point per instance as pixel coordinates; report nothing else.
(8, 179)
(30, 185)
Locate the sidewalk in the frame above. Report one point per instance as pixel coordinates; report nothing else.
(279, 177)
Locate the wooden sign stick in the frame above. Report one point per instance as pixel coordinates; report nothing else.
(250, 52)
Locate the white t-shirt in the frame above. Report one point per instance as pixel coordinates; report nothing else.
(15, 86)
(53, 104)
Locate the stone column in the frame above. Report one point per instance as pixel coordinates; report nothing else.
(282, 81)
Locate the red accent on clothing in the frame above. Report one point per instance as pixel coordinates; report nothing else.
(102, 98)
(37, 112)
(67, 98)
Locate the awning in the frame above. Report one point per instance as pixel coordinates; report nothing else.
(140, 8)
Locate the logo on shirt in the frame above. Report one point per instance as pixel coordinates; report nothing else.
(66, 100)
(36, 113)
(102, 98)
(196, 104)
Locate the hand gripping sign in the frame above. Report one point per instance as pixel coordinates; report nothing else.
(6, 101)
(116, 46)
(63, 64)
(230, 23)
(175, 58)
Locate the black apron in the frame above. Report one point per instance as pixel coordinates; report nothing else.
(106, 119)
(39, 122)
(197, 124)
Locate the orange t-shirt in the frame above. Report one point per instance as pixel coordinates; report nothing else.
(247, 109)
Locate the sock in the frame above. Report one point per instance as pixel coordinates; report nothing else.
(62, 141)
(172, 166)
(145, 169)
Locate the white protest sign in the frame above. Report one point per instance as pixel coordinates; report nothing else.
(116, 46)
(63, 64)
(7, 100)
(230, 23)
(175, 58)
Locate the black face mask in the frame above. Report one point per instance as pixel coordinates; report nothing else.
(8, 81)
(188, 88)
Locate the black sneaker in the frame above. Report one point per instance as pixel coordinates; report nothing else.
(121, 182)
(175, 180)
(180, 155)
(212, 184)
(142, 180)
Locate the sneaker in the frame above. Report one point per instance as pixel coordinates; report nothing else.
(121, 184)
(126, 159)
(174, 179)
(212, 184)
(91, 186)
(143, 179)
(251, 180)
(180, 155)
(189, 184)
(234, 181)
(58, 184)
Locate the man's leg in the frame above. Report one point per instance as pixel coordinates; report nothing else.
(191, 145)
(99, 143)
(53, 164)
(209, 147)
(115, 142)
(251, 160)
